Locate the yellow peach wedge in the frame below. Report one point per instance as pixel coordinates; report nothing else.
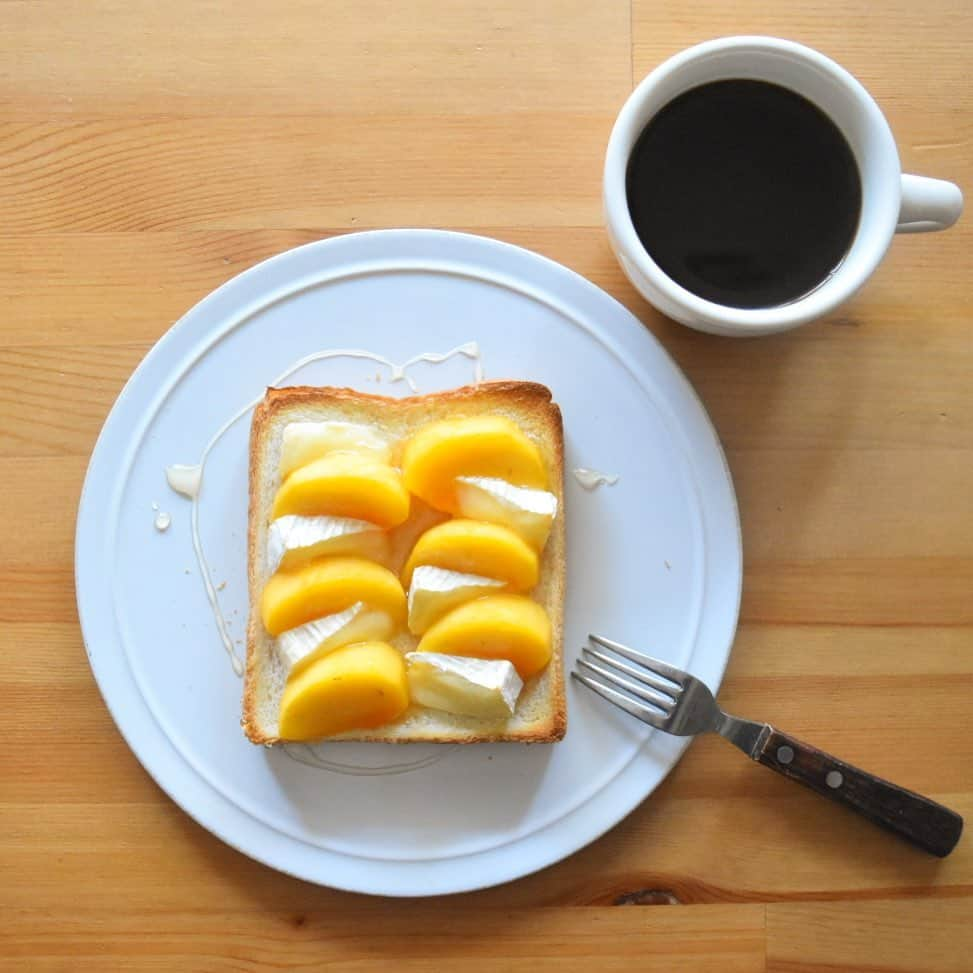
(495, 627)
(295, 597)
(345, 485)
(356, 687)
(472, 547)
(489, 446)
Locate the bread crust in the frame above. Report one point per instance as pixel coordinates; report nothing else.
(534, 404)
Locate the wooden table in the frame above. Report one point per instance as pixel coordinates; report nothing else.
(149, 151)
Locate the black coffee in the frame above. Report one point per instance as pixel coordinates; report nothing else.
(744, 193)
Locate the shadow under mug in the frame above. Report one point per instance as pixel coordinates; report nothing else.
(892, 202)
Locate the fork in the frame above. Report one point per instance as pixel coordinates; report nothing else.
(676, 702)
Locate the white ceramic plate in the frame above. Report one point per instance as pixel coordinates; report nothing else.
(654, 561)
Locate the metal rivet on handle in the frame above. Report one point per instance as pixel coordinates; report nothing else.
(785, 755)
(834, 779)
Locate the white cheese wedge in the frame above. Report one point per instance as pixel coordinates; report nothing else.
(459, 684)
(435, 591)
(527, 511)
(293, 540)
(307, 441)
(300, 646)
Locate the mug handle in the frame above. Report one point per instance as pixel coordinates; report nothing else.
(928, 204)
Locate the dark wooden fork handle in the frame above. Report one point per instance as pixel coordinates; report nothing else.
(925, 823)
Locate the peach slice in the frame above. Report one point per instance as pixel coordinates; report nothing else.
(491, 446)
(345, 485)
(356, 687)
(325, 587)
(471, 547)
(495, 627)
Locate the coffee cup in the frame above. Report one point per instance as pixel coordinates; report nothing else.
(889, 201)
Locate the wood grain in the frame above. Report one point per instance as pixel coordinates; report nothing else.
(137, 58)
(150, 151)
(718, 939)
(827, 936)
(136, 174)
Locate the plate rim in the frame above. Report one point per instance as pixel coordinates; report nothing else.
(154, 764)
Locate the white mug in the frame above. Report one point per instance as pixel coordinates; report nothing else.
(891, 201)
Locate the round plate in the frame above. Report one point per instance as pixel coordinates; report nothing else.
(653, 561)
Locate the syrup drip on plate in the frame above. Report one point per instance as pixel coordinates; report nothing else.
(310, 755)
(592, 479)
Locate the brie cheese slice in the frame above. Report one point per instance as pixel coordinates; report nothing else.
(292, 540)
(459, 684)
(435, 591)
(300, 646)
(526, 511)
(307, 441)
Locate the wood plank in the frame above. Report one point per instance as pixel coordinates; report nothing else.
(815, 652)
(96, 175)
(723, 939)
(908, 69)
(54, 485)
(70, 288)
(917, 936)
(34, 424)
(44, 652)
(894, 382)
(138, 58)
(862, 591)
(804, 503)
(698, 848)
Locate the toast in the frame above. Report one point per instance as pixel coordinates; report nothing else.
(540, 715)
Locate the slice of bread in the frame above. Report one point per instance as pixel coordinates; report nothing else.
(540, 716)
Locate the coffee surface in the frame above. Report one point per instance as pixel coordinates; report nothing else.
(744, 192)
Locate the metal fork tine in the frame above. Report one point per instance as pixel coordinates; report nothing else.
(631, 706)
(640, 673)
(657, 700)
(659, 667)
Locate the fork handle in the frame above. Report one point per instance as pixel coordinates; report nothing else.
(925, 823)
